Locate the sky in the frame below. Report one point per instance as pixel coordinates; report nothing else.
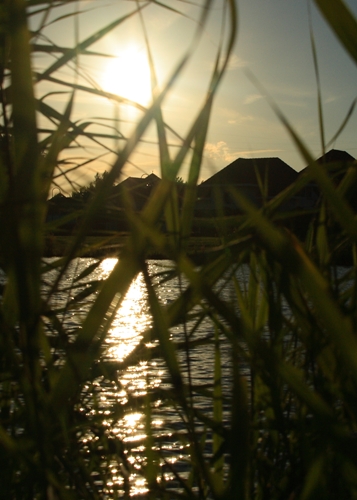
(273, 44)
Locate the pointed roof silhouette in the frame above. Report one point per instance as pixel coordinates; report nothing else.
(273, 173)
(138, 182)
(335, 161)
(335, 156)
(139, 188)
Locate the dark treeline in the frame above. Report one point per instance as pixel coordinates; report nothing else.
(217, 211)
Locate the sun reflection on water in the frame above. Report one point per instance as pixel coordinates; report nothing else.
(123, 401)
(132, 318)
(106, 266)
(118, 397)
(130, 322)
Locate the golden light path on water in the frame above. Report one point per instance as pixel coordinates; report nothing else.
(131, 320)
(127, 401)
(118, 403)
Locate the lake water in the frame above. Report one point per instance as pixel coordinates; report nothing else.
(122, 401)
(147, 375)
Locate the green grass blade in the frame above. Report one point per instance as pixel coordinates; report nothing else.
(342, 211)
(83, 354)
(239, 435)
(58, 142)
(343, 124)
(342, 22)
(318, 86)
(218, 414)
(161, 327)
(291, 255)
(23, 101)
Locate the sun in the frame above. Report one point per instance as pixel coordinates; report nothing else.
(128, 75)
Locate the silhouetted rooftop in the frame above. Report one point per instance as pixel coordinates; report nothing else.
(272, 172)
(336, 156)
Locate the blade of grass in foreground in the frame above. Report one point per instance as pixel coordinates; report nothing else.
(340, 207)
(83, 354)
(292, 257)
(24, 244)
(218, 474)
(342, 22)
(121, 276)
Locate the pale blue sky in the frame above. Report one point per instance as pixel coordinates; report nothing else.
(273, 44)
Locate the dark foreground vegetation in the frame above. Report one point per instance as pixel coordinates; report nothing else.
(287, 428)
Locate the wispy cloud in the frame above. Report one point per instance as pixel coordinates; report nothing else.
(236, 62)
(251, 153)
(220, 151)
(232, 116)
(294, 91)
(331, 98)
(252, 98)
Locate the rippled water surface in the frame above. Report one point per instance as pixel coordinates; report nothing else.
(129, 400)
(123, 398)
(145, 376)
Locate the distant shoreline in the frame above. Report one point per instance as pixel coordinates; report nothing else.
(200, 249)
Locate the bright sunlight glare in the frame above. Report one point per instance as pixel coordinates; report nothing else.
(131, 320)
(106, 266)
(128, 75)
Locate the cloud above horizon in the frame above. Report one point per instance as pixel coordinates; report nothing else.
(252, 98)
(221, 151)
(236, 62)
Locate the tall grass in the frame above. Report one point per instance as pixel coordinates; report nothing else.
(286, 431)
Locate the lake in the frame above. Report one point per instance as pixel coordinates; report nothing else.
(134, 404)
(127, 391)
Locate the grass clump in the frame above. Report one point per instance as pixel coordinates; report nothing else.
(276, 416)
